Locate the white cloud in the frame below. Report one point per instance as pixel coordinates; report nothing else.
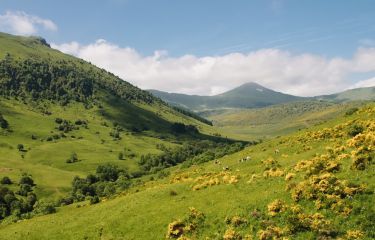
(302, 74)
(364, 83)
(21, 23)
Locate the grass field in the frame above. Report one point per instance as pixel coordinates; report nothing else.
(238, 202)
(277, 120)
(46, 160)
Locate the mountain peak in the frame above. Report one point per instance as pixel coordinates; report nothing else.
(250, 84)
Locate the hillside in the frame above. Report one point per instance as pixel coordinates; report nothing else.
(275, 120)
(351, 95)
(314, 184)
(63, 117)
(249, 95)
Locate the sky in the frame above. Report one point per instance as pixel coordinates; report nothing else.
(300, 47)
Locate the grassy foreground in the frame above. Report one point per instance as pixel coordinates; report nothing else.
(315, 184)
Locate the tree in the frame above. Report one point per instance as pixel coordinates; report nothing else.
(26, 179)
(20, 147)
(107, 172)
(121, 156)
(3, 123)
(73, 158)
(6, 180)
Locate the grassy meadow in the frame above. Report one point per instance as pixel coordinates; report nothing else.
(280, 192)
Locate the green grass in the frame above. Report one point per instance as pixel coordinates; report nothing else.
(46, 161)
(276, 120)
(144, 211)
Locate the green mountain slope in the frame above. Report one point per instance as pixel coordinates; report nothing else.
(70, 117)
(275, 120)
(351, 95)
(249, 95)
(314, 184)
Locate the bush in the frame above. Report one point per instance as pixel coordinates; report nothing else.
(65, 201)
(58, 120)
(3, 123)
(24, 189)
(108, 172)
(6, 180)
(26, 179)
(20, 147)
(44, 208)
(351, 111)
(94, 200)
(354, 130)
(73, 158)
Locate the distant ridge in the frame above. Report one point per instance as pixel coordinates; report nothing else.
(254, 95)
(248, 95)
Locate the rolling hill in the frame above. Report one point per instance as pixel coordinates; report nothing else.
(275, 120)
(65, 117)
(357, 94)
(317, 185)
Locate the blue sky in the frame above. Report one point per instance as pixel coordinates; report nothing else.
(211, 28)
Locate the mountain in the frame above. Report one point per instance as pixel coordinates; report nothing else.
(253, 95)
(357, 94)
(248, 95)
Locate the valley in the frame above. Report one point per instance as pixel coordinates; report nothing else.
(87, 155)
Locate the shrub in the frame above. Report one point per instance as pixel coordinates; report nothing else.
(351, 111)
(58, 120)
(66, 201)
(94, 200)
(26, 179)
(73, 158)
(172, 193)
(108, 172)
(6, 180)
(3, 123)
(44, 208)
(354, 130)
(231, 234)
(20, 147)
(24, 189)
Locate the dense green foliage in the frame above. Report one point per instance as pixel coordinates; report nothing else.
(107, 181)
(62, 81)
(17, 203)
(3, 122)
(190, 153)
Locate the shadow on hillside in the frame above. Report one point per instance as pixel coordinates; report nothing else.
(144, 122)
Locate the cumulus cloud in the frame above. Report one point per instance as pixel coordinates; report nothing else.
(21, 23)
(364, 83)
(299, 74)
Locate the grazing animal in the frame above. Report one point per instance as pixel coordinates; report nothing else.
(226, 168)
(217, 162)
(277, 151)
(248, 158)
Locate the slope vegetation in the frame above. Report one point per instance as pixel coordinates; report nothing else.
(63, 117)
(314, 184)
(276, 120)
